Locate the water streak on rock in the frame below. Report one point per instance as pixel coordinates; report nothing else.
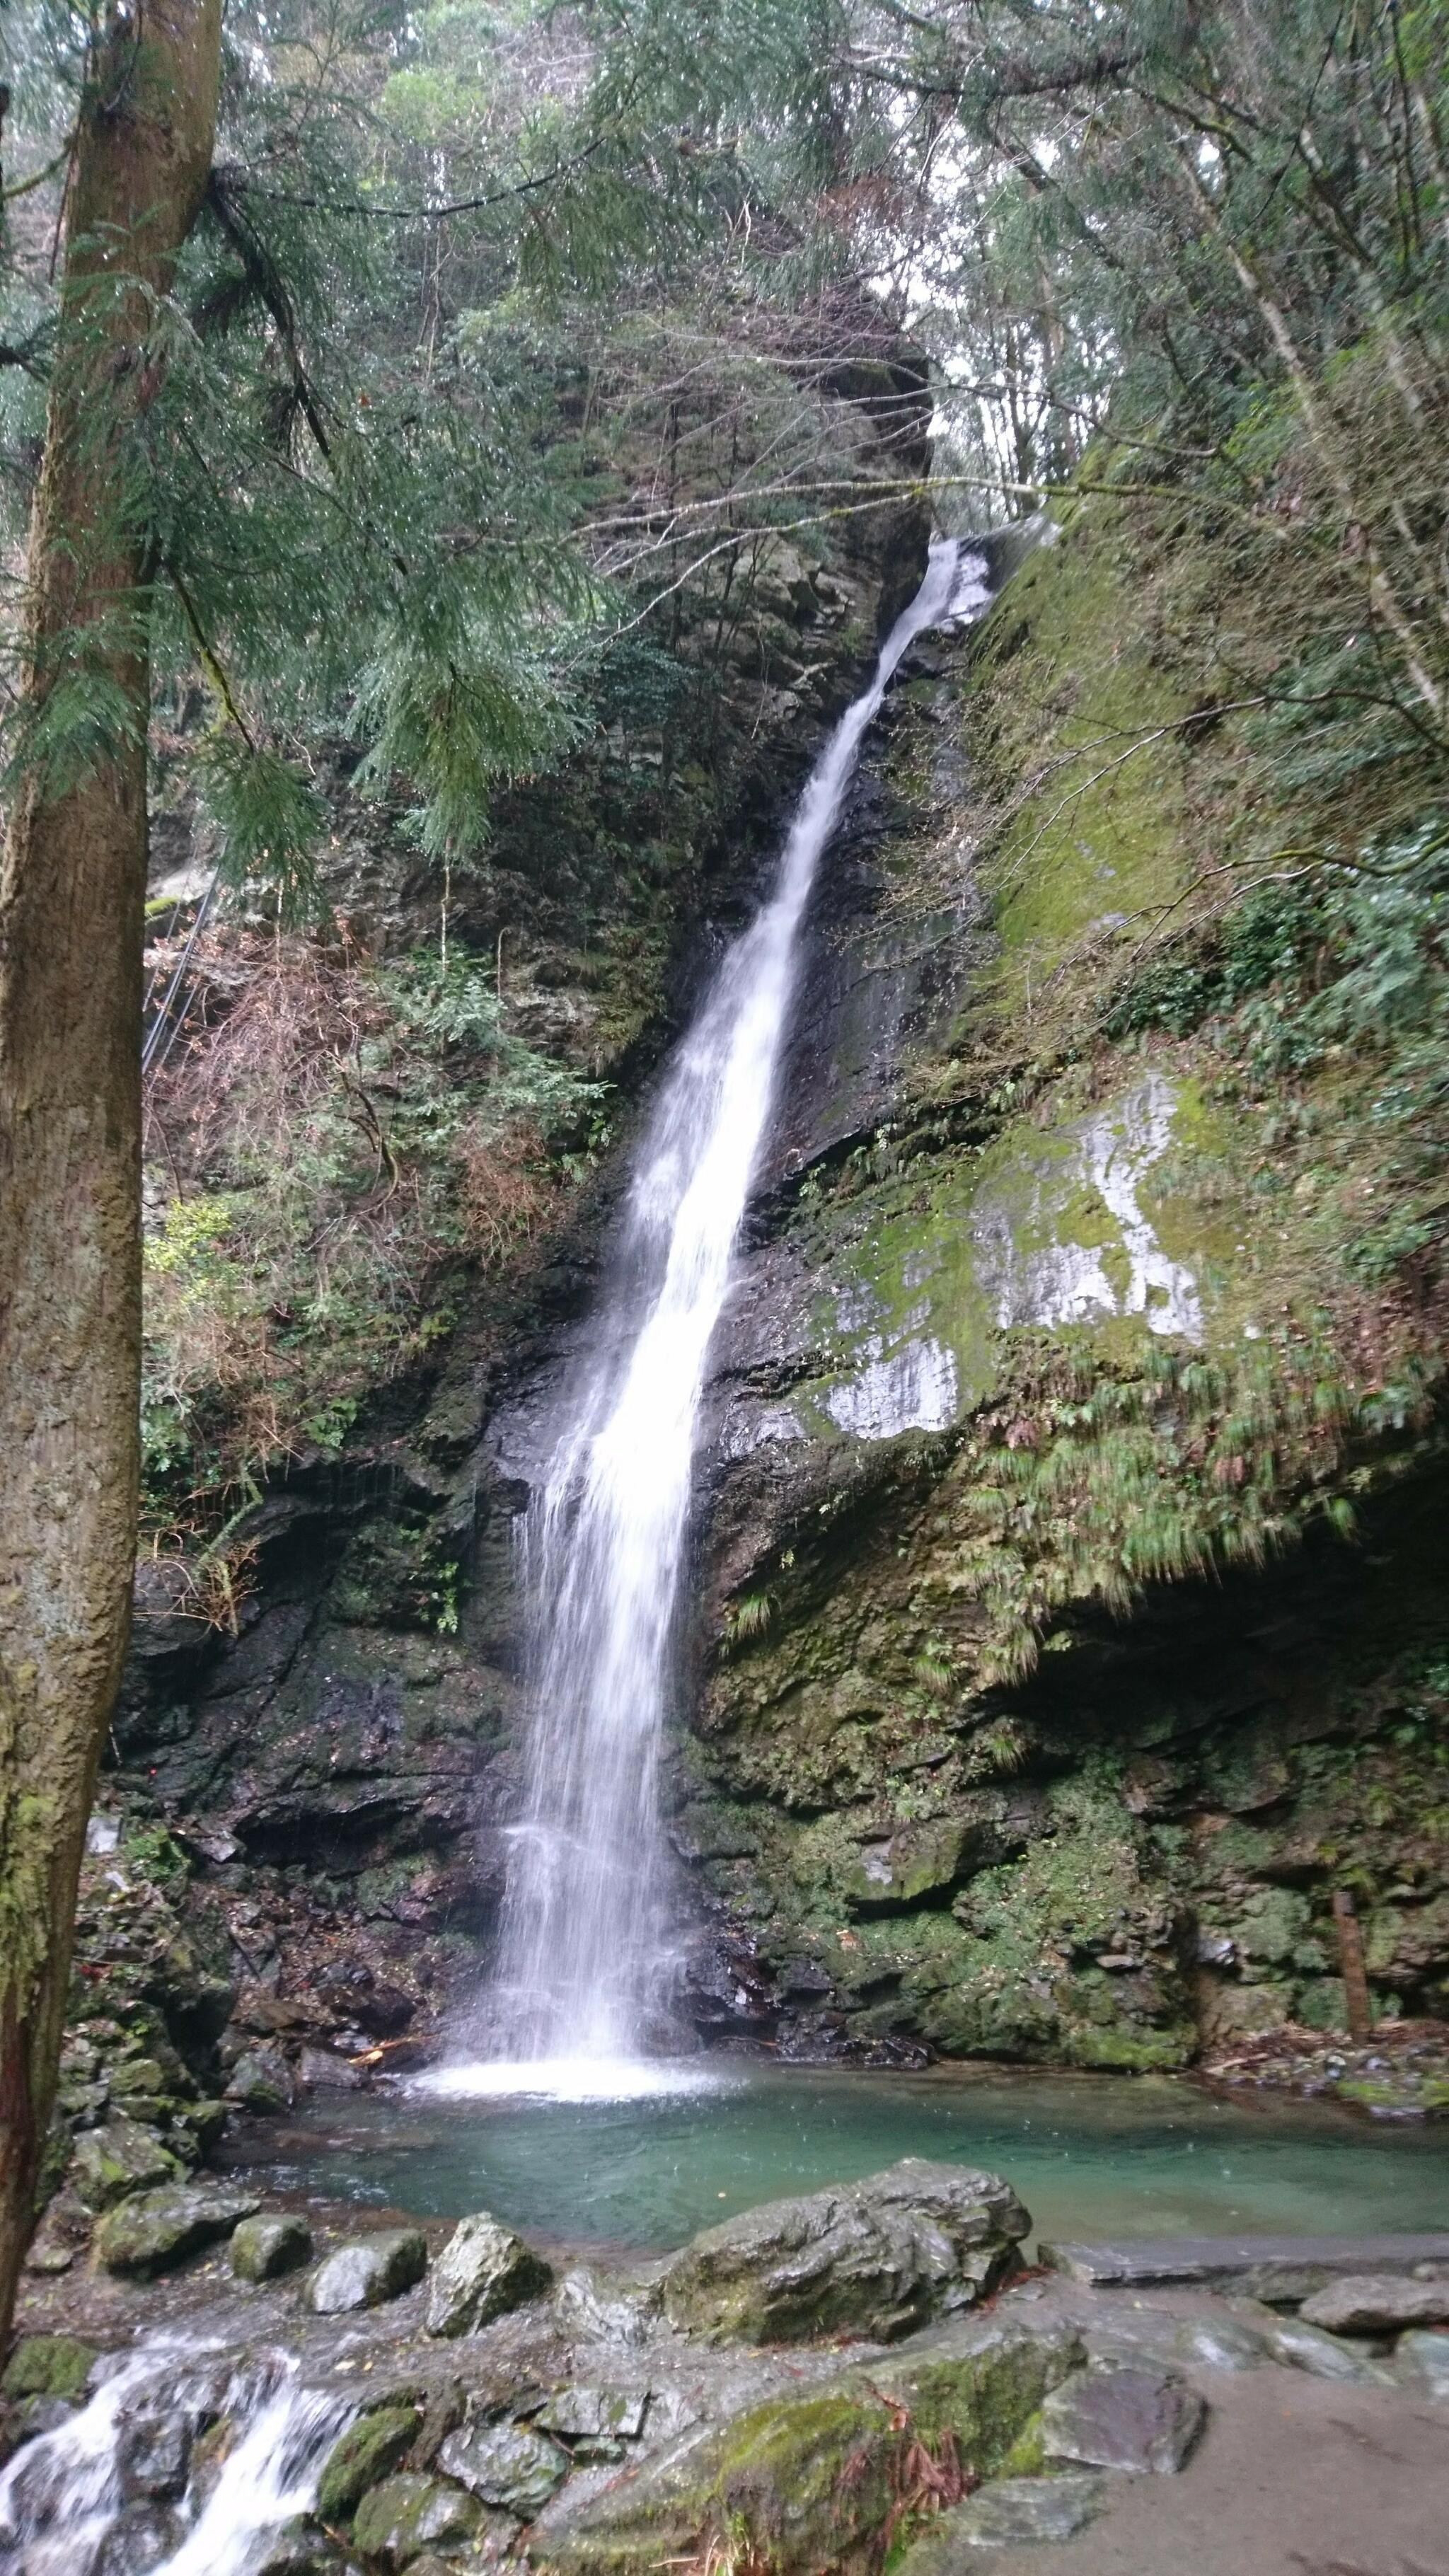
(584, 1963)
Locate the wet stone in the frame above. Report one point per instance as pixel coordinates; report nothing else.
(368, 2270)
(593, 2415)
(1221, 2343)
(1307, 2347)
(405, 2516)
(142, 2537)
(110, 2163)
(46, 2365)
(154, 2230)
(1373, 2304)
(154, 2457)
(503, 2464)
(363, 2456)
(1422, 2363)
(482, 2272)
(261, 2082)
(1137, 2419)
(296, 2548)
(1009, 2513)
(265, 2247)
(877, 2258)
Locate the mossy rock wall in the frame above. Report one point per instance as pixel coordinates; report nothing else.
(1072, 1624)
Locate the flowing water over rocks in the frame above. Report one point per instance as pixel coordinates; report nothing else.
(585, 1967)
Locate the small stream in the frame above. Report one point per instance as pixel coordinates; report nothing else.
(126, 2485)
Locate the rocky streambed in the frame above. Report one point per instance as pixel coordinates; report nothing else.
(861, 2377)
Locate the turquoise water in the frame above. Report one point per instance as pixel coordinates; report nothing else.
(1089, 2155)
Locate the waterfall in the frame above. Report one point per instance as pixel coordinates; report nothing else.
(584, 1963)
(69, 2496)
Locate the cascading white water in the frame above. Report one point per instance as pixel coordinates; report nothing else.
(584, 1961)
(64, 2494)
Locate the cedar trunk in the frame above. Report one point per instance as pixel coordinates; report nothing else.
(71, 933)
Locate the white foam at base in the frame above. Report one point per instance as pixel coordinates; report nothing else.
(569, 2079)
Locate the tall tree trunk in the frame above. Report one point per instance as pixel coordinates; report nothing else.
(71, 933)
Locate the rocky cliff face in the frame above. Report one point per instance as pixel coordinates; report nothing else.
(1069, 1622)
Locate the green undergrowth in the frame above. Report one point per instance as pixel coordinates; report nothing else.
(352, 1145)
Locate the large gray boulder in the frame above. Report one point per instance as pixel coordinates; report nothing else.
(155, 2230)
(365, 2271)
(1377, 2303)
(483, 2270)
(875, 2258)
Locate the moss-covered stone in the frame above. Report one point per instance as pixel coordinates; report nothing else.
(363, 2456)
(48, 2365)
(404, 2516)
(815, 2479)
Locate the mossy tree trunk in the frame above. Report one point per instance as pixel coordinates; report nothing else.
(71, 934)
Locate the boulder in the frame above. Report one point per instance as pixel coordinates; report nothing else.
(112, 2162)
(1009, 2513)
(483, 2270)
(1374, 2304)
(1221, 2343)
(810, 2478)
(265, 2247)
(366, 2271)
(154, 2230)
(142, 2537)
(295, 2548)
(154, 2457)
(1422, 2363)
(594, 2414)
(369, 2450)
(404, 2516)
(48, 2365)
(1136, 2419)
(505, 2464)
(1307, 2347)
(261, 2082)
(876, 2258)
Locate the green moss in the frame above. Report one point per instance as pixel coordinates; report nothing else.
(362, 2457)
(48, 2365)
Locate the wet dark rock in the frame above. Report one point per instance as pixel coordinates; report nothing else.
(154, 2457)
(368, 2270)
(359, 1994)
(296, 2548)
(594, 2414)
(1371, 2305)
(48, 2365)
(142, 2537)
(876, 2258)
(323, 2072)
(404, 2516)
(265, 2247)
(261, 2082)
(505, 2464)
(110, 2163)
(1010, 2513)
(363, 2456)
(1136, 2419)
(155, 2230)
(483, 2270)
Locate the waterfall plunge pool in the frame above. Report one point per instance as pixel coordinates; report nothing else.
(1090, 2155)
